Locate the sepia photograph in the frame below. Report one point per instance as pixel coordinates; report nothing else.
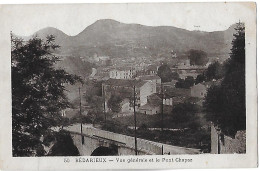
(146, 82)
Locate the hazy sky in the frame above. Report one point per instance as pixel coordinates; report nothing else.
(72, 19)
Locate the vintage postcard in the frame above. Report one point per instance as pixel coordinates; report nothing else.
(128, 86)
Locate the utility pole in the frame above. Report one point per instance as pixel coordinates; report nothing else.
(162, 92)
(104, 105)
(82, 137)
(162, 149)
(135, 123)
(218, 132)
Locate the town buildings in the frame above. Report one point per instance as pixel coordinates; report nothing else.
(98, 60)
(175, 96)
(150, 109)
(152, 70)
(102, 60)
(100, 73)
(125, 89)
(186, 70)
(200, 90)
(153, 106)
(152, 78)
(126, 106)
(122, 73)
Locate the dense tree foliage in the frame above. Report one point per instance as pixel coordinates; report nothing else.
(96, 109)
(186, 114)
(114, 103)
(185, 83)
(225, 103)
(76, 65)
(63, 146)
(200, 78)
(198, 57)
(165, 73)
(37, 93)
(175, 76)
(93, 88)
(215, 71)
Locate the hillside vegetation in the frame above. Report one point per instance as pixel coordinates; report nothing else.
(116, 39)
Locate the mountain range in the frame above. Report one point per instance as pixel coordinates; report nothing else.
(118, 40)
(115, 39)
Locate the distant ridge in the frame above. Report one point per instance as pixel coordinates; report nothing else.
(116, 39)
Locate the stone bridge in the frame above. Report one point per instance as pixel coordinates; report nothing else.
(99, 142)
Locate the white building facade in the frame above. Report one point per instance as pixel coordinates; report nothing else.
(122, 73)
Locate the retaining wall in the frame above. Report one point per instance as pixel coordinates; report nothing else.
(223, 144)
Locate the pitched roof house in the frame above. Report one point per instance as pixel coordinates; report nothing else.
(199, 90)
(150, 109)
(153, 78)
(125, 89)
